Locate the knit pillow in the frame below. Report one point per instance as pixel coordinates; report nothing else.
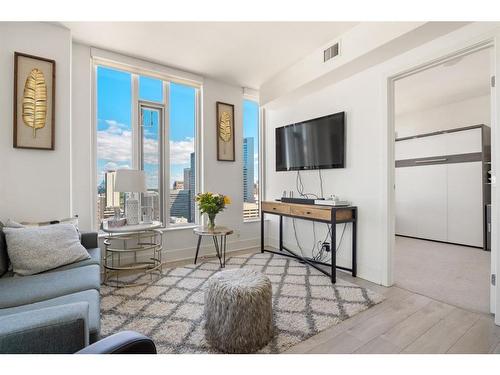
(37, 249)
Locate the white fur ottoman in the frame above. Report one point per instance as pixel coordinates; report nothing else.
(238, 311)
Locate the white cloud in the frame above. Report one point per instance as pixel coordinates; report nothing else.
(180, 151)
(114, 147)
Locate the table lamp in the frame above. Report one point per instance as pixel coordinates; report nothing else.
(132, 182)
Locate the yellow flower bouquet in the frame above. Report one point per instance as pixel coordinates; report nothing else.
(211, 204)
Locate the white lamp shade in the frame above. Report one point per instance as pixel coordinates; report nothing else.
(130, 181)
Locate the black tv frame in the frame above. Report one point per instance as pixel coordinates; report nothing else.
(329, 166)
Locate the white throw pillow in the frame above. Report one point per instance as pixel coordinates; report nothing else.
(37, 249)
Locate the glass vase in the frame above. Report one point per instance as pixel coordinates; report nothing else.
(211, 222)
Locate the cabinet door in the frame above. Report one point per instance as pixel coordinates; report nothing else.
(465, 206)
(431, 211)
(405, 193)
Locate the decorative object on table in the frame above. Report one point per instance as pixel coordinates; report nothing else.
(225, 132)
(305, 304)
(34, 102)
(140, 240)
(238, 311)
(211, 204)
(148, 206)
(132, 182)
(116, 223)
(220, 247)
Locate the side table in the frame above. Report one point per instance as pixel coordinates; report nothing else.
(220, 247)
(121, 256)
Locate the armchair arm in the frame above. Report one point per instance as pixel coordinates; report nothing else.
(54, 330)
(125, 342)
(89, 240)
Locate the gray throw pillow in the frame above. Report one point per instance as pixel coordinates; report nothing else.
(38, 249)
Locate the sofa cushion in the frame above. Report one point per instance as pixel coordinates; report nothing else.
(16, 291)
(95, 259)
(38, 249)
(90, 296)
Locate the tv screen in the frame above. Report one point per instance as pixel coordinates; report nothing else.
(312, 144)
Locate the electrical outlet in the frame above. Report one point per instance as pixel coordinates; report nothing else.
(326, 246)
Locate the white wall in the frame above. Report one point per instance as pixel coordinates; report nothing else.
(359, 182)
(367, 180)
(82, 134)
(35, 184)
(473, 111)
(223, 177)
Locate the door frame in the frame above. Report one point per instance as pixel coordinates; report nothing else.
(490, 42)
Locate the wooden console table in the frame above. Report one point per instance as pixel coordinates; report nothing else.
(324, 214)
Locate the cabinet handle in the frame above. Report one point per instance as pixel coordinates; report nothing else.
(308, 212)
(430, 160)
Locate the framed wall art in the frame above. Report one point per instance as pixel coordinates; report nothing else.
(225, 132)
(34, 102)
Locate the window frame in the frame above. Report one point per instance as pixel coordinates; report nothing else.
(137, 133)
(254, 97)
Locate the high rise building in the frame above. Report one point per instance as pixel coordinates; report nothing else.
(178, 185)
(187, 176)
(248, 170)
(179, 206)
(112, 197)
(192, 187)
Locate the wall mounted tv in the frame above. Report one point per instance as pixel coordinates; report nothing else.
(314, 144)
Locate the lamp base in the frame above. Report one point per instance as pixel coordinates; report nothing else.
(132, 211)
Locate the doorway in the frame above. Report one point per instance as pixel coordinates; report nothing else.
(442, 121)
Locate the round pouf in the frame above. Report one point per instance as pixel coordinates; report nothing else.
(238, 311)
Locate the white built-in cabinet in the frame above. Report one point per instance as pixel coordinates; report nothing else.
(439, 186)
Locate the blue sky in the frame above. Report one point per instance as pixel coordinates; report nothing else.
(114, 112)
(251, 129)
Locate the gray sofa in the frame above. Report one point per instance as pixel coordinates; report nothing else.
(58, 303)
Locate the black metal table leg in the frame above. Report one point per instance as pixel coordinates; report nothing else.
(281, 233)
(197, 249)
(223, 240)
(216, 243)
(333, 276)
(354, 243)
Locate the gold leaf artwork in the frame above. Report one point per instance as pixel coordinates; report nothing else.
(225, 126)
(35, 101)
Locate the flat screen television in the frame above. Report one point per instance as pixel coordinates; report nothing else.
(314, 144)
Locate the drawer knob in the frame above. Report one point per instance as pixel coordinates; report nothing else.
(308, 212)
(274, 208)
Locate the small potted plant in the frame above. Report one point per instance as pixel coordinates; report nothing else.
(211, 204)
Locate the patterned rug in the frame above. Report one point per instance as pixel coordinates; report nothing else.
(170, 310)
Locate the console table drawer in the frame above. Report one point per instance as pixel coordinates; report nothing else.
(276, 207)
(314, 213)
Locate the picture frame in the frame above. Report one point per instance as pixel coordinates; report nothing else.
(225, 132)
(34, 102)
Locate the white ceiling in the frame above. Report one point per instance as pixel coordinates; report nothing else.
(241, 53)
(462, 79)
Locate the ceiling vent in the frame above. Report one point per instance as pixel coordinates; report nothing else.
(331, 52)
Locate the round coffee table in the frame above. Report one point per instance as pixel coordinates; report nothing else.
(220, 247)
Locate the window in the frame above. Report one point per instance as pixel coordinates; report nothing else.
(114, 135)
(250, 160)
(118, 136)
(182, 153)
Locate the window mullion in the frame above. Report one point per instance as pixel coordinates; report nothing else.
(166, 153)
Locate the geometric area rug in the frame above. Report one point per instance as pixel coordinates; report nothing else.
(170, 310)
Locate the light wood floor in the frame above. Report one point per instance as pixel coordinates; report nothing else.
(405, 322)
